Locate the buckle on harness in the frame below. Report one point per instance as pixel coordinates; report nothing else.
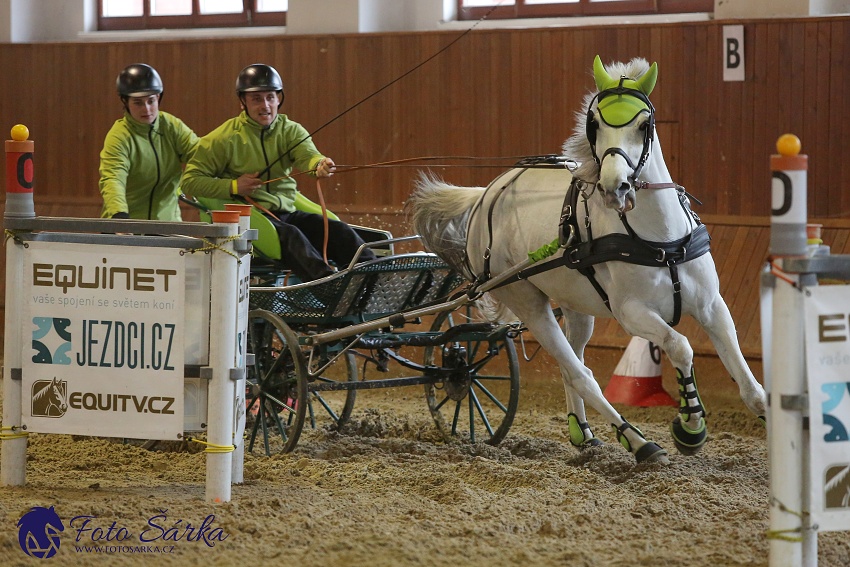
(572, 256)
(662, 255)
(566, 242)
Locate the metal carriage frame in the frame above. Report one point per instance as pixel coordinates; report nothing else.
(308, 338)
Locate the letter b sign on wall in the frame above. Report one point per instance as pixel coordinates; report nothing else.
(733, 53)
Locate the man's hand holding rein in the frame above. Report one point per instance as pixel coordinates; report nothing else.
(325, 168)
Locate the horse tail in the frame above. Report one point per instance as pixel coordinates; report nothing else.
(494, 310)
(439, 212)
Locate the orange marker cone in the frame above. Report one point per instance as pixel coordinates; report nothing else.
(637, 378)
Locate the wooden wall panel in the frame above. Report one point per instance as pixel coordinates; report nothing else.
(492, 93)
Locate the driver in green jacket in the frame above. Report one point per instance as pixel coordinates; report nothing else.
(230, 160)
(144, 152)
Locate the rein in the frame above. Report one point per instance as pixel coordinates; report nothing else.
(529, 162)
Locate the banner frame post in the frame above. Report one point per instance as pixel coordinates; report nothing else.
(14, 440)
(786, 386)
(222, 389)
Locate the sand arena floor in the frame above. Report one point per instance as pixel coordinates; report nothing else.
(389, 492)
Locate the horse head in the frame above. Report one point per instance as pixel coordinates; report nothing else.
(57, 395)
(620, 127)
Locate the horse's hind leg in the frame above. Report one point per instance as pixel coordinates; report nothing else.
(688, 429)
(578, 328)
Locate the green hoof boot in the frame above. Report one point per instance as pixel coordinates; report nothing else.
(688, 441)
(581, 437)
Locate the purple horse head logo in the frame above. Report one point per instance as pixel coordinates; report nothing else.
(38, 532)
(49, 398)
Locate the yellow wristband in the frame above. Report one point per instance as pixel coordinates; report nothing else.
(234, 187)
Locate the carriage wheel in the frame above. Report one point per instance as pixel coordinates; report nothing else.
(478, 402)
(335, 406)
(276, 382)
(279, 380)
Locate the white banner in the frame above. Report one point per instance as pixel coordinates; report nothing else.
(103, 348)
(827, 330)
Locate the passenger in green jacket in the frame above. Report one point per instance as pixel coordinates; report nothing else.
(144, 152)
(250, 158)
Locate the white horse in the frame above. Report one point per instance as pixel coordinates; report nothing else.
(655, 268)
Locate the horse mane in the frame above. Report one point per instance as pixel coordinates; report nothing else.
(42, 392)
(576, 147)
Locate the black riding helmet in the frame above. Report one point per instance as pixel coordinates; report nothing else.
(138, 79)
(259, 77)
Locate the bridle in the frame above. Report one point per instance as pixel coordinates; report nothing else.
(592, 126)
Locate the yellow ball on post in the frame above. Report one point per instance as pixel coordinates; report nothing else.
(788, 145)
(20, 132)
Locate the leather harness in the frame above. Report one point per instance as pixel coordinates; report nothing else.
(616, 247)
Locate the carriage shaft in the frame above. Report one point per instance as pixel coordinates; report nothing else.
(374, 384)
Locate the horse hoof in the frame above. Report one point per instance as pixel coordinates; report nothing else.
(687, 441)
(589, 444)
(651, 453)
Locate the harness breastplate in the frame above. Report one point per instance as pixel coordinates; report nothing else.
(630, 248)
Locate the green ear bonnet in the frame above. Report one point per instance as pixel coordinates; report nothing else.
(621, 100)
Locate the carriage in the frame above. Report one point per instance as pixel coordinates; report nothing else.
(392, 319)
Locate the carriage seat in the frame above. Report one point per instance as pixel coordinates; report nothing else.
(267, 245)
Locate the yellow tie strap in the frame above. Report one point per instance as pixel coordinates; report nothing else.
(212, 447)
(213, 246)
(783, 534)
(14, 235)
(16, 432)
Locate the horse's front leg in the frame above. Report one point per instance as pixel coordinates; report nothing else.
(532, 307)
(578, 329)
(718, 324)
(688, 429)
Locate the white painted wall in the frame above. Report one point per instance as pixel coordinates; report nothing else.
(731, 9)
(33, 21)
(365, 16)
(28, 21)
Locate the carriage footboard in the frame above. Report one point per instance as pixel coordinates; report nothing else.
(423, 339)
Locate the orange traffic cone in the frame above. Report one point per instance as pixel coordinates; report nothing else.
(637, 378)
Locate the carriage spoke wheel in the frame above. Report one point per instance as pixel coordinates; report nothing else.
(333, 408)
(276, 384)
(476, 402)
